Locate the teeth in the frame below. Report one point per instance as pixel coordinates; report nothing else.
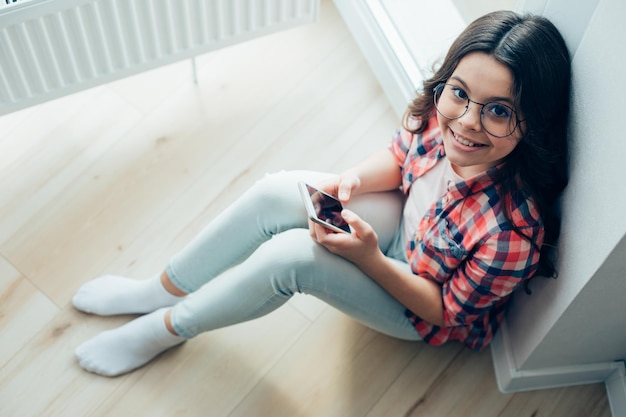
(463, 141)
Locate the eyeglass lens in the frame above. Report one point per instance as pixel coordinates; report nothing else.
(496, 118)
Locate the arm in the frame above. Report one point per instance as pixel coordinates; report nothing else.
(497, 267)
(379, 172)
(420, 295)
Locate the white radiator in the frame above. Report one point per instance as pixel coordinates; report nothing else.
(50, 48)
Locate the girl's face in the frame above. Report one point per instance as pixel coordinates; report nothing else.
(470, 149)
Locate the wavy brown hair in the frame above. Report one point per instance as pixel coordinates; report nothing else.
(535, 52)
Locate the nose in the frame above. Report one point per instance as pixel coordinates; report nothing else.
(471, 119)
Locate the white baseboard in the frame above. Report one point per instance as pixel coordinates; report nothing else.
(510, 379)
(616, 391)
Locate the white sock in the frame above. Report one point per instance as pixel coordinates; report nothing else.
(110, 295)
(115, 352)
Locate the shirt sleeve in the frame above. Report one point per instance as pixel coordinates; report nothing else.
(493, 272)
(400, 145)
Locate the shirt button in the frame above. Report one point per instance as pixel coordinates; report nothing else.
(445, 200)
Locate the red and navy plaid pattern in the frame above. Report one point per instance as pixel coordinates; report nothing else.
(465, 244)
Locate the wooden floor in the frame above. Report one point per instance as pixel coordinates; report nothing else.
(118, 178)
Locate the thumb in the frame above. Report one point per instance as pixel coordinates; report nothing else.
(362, 229)
(352, 219)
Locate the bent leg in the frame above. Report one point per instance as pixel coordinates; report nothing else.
(289, 263)
(272, 206)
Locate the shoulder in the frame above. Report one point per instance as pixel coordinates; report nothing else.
(430, 139)
(418, 152)
(510, 208)
(518, 211)
(493, 227)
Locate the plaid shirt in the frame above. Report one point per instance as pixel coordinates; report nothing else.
(465, 244)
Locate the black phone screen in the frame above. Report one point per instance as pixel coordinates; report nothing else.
(327, 208)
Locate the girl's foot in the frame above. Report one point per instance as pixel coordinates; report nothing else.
(118, 351)
(110, 295)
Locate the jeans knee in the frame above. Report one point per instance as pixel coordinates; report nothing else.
(276, 191)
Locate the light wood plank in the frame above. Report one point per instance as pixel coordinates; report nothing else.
(44, 379)
(61, 155)
(318, 378)
(409, 390)
(210, 374)
(24, 311)
(586, 400)
(466, 387)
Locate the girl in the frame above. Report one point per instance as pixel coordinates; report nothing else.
(481, 161)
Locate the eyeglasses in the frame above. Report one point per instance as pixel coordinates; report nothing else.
(498, 119)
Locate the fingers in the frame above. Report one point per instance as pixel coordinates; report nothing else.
(357, 224)
(342, 186)
(318, 232)
(357, 246)
(347, 184)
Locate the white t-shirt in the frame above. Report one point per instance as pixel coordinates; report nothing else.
(428, 188)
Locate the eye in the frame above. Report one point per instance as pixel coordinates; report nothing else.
(498, 111)
(458, 93)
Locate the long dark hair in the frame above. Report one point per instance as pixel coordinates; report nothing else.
(535, 52)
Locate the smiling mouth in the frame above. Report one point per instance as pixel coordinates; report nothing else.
(466, 142)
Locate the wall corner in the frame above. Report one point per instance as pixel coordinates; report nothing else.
(510, 378)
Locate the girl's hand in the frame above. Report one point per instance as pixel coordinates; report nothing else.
(343, 186)
(359, 247)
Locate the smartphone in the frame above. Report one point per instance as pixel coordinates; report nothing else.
(323, 208)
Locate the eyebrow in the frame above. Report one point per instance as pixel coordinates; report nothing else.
(508, 100)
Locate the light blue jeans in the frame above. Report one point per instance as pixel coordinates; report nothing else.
(258, 253)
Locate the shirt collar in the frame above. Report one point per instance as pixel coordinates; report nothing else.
(468, 186)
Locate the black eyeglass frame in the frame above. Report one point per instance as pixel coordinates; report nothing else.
(439, 89)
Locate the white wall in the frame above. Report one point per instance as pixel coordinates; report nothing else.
(580, 317)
